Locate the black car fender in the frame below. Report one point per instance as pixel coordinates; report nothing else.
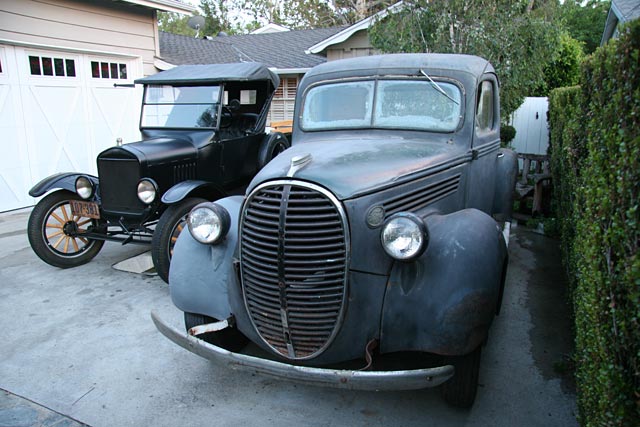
(200, 275)
(268, 147)
(444, 301)
(64, 181)
(195, 188)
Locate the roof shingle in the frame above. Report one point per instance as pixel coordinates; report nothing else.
(277, 50)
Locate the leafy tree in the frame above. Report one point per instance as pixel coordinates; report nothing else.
(174, 23)
(564, 69)
(298, 14)
(217, 17)
(301, 14)
(585, 21)
(517, 36)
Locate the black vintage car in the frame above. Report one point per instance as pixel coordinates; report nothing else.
(383, 230)
(203, 130)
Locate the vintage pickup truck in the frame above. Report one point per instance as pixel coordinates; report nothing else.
(384, 229)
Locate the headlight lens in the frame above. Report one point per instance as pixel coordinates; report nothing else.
(84, 187)
(147, 190)
(209, 223)
(404, 236)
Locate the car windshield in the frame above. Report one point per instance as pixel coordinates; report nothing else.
(389, 104)
(180, 106)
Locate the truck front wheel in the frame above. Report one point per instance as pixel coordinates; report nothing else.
(460, 390)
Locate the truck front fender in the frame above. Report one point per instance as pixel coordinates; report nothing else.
(65, 181)
(200, 275)
(194, 188)
(445, 301)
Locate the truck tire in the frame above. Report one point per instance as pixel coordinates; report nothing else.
(272, 145)
(55, 234)
(460, 390)
(169, 227)
(230, 338)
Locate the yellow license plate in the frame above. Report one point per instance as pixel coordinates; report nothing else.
(85, 209)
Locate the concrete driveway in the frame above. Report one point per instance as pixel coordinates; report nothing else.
(80, 342)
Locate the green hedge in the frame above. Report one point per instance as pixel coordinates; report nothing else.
(568, 150)
(595, 140)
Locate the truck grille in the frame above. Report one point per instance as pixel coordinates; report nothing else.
(294, 260)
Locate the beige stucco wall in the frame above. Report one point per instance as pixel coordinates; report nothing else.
(357, 45)
(102, 26)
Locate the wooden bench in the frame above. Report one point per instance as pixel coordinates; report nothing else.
(534, 180)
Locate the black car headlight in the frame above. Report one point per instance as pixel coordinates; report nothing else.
(147, 190)
(84, 187)
(209, 223)
(404, 236)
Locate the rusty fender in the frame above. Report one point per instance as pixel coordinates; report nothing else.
(445, 301)
(346, 379)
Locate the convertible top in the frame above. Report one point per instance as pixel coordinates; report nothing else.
(213, 73)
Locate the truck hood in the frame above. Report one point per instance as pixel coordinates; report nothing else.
(352, 167)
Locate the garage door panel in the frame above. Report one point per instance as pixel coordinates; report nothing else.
(56, 127)
(57, 114)
(114, 114)
(14, 177)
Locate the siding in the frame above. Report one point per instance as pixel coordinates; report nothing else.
(357, 45)
(89, 25)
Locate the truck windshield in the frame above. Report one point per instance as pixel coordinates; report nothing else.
(385, 104)
(180, 106)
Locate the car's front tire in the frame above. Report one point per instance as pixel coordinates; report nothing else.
(169, 227)
(55, 234)
(230, 338)
(460, 390)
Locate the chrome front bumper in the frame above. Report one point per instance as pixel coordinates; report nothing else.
(355, 380)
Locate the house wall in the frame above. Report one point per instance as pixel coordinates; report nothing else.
(85, 25)
(357, 45)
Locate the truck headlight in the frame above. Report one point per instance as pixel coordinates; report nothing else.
(147, 190)
(209, 223)
(84, 187)
(404, 236)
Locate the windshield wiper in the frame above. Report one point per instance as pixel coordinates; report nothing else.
(437, 86)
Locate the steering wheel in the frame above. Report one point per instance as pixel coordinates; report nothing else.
(226, 117)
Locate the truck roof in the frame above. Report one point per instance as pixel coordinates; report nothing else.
(402, 64)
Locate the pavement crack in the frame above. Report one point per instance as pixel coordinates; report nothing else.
(78, 399)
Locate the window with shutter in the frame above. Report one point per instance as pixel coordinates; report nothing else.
(283, 100)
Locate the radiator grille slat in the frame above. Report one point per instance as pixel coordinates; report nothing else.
(294, 261)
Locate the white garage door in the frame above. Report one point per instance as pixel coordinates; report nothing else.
(58, 110)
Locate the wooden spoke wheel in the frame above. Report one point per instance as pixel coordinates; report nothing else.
(56, 235)
(172, 222)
